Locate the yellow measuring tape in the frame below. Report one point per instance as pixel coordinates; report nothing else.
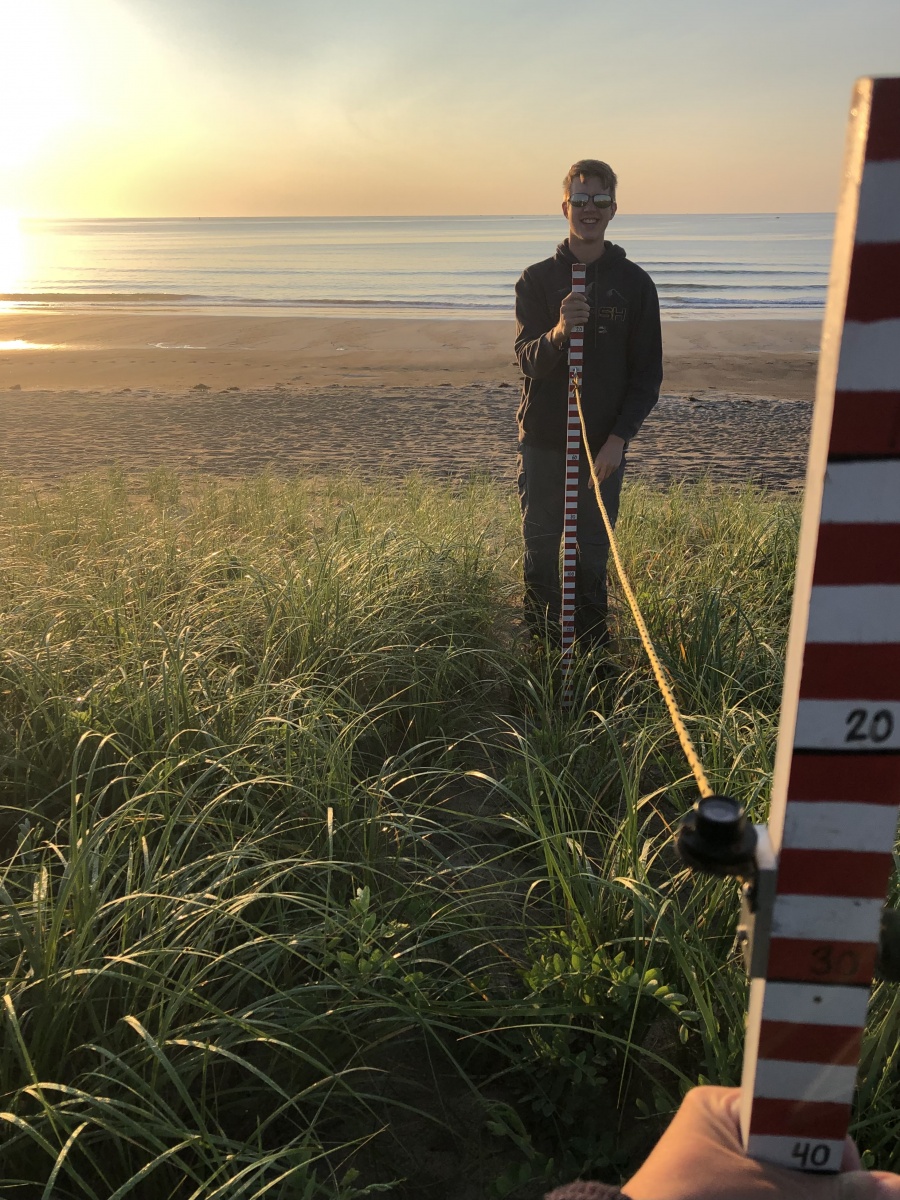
(664, 686)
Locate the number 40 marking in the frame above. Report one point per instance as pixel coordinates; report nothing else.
(811, 1154)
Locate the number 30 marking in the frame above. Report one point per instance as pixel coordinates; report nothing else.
(827, 962)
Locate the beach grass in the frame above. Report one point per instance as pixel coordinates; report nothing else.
(308, 887)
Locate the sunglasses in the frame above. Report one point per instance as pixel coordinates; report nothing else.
(580, 199)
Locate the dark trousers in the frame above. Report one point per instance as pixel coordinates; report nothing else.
(541, 480)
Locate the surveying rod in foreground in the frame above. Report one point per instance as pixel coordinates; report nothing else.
(816, 878)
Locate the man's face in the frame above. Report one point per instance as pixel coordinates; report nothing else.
(588, 224)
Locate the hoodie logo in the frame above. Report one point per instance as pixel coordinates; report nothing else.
(609, 312)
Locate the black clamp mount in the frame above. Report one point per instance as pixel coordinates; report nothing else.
(717, 839)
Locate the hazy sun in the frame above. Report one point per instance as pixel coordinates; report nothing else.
(37, 97)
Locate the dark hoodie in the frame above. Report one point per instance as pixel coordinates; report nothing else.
(622, 349)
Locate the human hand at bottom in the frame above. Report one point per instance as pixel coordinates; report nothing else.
(701, 1156)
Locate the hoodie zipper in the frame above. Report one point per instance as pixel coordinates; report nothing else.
(595, 314)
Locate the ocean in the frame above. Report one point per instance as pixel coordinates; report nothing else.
(711, 267)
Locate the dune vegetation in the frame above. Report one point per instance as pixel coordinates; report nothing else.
(308, 887)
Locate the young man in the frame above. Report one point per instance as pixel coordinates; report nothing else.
(621, 377)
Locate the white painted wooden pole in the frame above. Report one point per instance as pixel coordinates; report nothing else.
(836, 789)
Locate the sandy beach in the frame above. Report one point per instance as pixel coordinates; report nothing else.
(229, 394)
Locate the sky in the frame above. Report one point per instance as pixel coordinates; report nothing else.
(113, 108)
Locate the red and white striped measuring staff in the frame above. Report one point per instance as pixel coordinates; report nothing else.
(836, 788)
(570, 518)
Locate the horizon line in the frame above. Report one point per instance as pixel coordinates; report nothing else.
(403, 216)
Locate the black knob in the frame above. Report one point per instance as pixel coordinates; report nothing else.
(717, 838)
(719, 820)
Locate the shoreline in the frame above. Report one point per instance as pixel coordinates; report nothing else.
(358, 310)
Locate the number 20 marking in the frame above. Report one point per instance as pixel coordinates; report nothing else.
(876, 728)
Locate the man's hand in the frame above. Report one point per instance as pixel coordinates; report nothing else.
(700, 1157)
(573, 312)
(609, 459)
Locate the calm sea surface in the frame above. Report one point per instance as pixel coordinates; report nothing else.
(704, 266)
